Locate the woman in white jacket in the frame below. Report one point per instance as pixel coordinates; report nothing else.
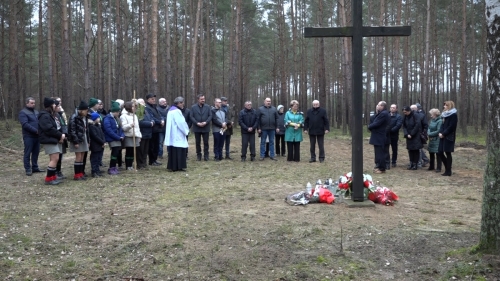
(175, 137)
(130, 126)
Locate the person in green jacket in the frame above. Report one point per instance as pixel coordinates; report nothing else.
(294, 123)
(433, 132)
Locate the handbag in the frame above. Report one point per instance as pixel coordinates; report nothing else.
(424, 137)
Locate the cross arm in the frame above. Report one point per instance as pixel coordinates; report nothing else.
(366, 31)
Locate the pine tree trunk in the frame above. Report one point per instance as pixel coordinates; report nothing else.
(86, 49)
(40, 52)
(489, 241)
(154, 46)
(462, 102)
(194, 48)
(51, 50)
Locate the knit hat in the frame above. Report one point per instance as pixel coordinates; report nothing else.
(48, 102)
(280, 107)
(406, 108)
(93, 102)
(115, 107)
(83, 105)
(120, 102)
(418, 105)
(94, 116)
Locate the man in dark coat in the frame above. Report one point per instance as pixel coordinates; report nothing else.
(28, 117)
(158, 127)
(248, 121)
(395, 126)
(201, 116)
(378, 136)
(412, 127)
(317, 125)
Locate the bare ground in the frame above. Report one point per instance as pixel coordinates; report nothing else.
(228, 221)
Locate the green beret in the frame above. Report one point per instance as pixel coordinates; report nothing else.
(93, 102)
(115, 107)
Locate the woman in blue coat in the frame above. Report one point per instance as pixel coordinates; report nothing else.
(447, 135)
(114, 135)
(294, 122)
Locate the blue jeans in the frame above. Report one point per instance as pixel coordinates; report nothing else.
(263, 138)
(162, 139)
(95, 161)
(31, 151)
(218, 145)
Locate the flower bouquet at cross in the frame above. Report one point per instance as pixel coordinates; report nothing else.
(329, 192)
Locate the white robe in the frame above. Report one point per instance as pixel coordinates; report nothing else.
(176, 129)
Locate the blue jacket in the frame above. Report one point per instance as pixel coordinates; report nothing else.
(29, 121)
(146, 126)
(396, 123)
(378, 128)
(112, 129)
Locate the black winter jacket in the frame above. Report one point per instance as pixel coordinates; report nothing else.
(156, 116)
(248, 119)
(77, 129)
(47, 127)
(396, 123)
(97, 139)
(412, 125)
(146, 126)
(448, 130)
(186, 112)
(316, 122)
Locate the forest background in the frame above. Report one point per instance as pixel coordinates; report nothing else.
(244, 50)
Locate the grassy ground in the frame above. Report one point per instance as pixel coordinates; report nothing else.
(228, 221)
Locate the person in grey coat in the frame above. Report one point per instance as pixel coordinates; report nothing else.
(268, 127)
(201, 117)
(433, 132)
(412, 127)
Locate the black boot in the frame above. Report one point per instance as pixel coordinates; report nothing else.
(413, 166)
(431, 165)
(438, 167)
(198, 157)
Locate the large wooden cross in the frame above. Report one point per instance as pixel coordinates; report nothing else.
(357, 31)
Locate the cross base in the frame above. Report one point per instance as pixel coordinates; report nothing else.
(355, 204)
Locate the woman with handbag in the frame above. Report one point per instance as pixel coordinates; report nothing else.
(433, 132)
(447, 135)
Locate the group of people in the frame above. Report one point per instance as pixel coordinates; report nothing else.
(142, 128)
(440, 133)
